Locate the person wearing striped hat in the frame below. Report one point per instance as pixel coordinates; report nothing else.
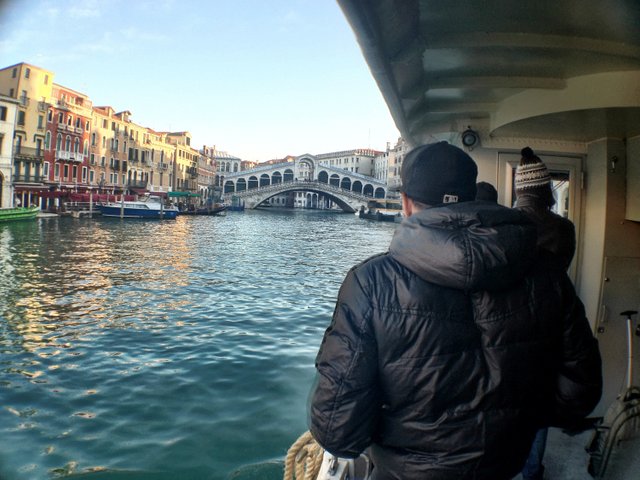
(556, 234)
(534, 197)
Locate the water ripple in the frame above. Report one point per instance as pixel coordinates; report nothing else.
(152, 349)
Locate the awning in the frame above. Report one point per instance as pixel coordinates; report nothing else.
(183, 194)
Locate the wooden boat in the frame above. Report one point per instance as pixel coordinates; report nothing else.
(381, 216)
(215, 210)
(18, 213)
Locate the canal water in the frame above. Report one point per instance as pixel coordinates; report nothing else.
(170, 349)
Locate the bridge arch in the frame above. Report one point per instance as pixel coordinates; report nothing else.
(334, 180)
(345, 183)
(265, 180)
(323, 176)
(379, 193)
(356, 186)
(276, 177)
(241, 185)
(368, 190)
(229, 186)
(253, 182)
(288, 175)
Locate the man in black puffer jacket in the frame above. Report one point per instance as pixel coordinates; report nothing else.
(447, 353)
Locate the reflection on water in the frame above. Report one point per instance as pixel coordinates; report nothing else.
(158, 349)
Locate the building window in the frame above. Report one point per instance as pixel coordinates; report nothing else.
(21, 118)
(85, 149)
(58, 141)
(40, 121)
(60, 117)
(47, 140)
(67, 144)
(46, 79)
(76, 146)
(27, 73)
(14, 72)
(75, 173)
(45, 169)
(92, 176)
(103, 160)
(93, 139)
(50, 116)
(66, 171)
(3, 113)
(70, 120)
(87, 125)
(104, 123)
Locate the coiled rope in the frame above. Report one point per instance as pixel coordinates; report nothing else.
(304, 459)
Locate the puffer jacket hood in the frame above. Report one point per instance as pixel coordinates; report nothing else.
(468, 246)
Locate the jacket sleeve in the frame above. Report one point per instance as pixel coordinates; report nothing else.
(344, 401)
(579, 381)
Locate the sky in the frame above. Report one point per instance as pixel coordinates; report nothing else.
(259, 79)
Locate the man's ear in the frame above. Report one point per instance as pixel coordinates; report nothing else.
(407, 205)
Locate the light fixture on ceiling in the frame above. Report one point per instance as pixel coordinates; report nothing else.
(469, 138)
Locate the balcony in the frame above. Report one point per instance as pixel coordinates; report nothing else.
(28, 179)
(163, 166)
(137, 184)
(24, 101)
(28, 153)
(42, 106)
(79, 130)
(65, 156)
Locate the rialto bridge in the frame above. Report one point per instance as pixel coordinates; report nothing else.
(346, 189)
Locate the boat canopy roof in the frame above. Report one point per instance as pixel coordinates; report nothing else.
(504, 68)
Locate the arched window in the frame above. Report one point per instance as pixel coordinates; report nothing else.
(67, 144)
(59, 141)
(85, 150)
(76, 146)
(47, 140)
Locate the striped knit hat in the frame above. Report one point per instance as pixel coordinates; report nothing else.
(532, 173)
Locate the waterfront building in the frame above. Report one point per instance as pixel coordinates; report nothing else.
(226, 163)
(110, 140)
(207, 175)
(8, 110)
(32, 87)
(395, 158)
(162, 162)
(186, 162)
(356, 161)
(66, 145)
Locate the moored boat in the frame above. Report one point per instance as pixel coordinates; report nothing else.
(146, 207)
(18, 213)
(214, 210)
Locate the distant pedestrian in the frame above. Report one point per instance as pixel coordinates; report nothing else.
(486, 192)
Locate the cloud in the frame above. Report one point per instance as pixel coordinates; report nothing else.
(87, 9)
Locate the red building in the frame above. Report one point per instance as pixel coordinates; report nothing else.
(66, 155)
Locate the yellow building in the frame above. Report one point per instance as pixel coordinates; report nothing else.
(186, 162)
(32, 87)
(162, 161)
